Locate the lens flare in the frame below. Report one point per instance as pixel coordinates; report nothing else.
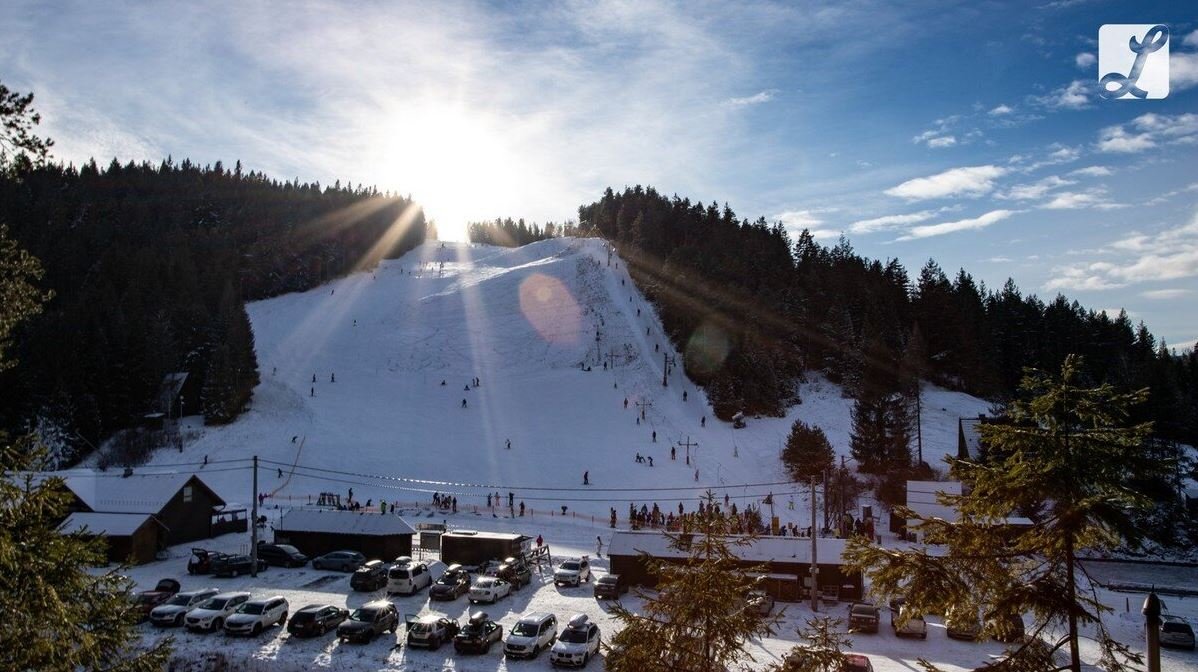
(550, 309)
(706, 349)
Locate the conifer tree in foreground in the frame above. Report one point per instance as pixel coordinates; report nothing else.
(696, 620)
(1071, 458)
(823, 650)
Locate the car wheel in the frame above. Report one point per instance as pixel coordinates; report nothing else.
(179, 621)
(235, 573)
(216, 625)
(586, 658)
(257, 629)
(283, 619)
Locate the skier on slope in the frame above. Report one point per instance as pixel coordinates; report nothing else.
(586, 478)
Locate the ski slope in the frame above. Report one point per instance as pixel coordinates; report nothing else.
(525, 322)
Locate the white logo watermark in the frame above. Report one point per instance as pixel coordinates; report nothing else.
(1133, 61)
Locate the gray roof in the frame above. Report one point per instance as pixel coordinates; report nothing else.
(973, 439)
(109, 492)
(111, 524)
(330, 521)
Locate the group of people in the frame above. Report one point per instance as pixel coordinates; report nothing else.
(445, 502)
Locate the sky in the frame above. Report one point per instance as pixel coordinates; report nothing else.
(968, 132)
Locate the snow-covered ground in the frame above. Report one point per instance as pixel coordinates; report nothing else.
(522, 321)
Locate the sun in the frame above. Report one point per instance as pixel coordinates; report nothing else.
(455, 162)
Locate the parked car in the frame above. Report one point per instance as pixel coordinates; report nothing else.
(863, 617)
(1176, 632)
(256, 615)
(489, 589)
(478, 635)
(176, 608)
(235, 565)
(200, 561)
(961, 622)
(454, 583)
(573, 571)
(146, 600)
(515, 571)
(532, 634)
(341, 561)
(761, 601)
(914, 624)
(1007, 629)
(610, 587)
(408, 578)
(281, 555)
(578, 642)
(211, 614)
(316, 619)
(856, 662)
(369, 577)
(430, 630)
(369, 621)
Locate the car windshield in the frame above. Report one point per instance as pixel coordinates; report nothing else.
(214, 604)
(362, 615)
(574, 636)
(303, 617)
(180, 600)
(571, 566)
(607, 579)
(252, 608)
(1176, 627)
(400, 573)
(448, 579)
(526, 629)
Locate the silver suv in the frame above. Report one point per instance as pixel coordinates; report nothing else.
(254, 616)
(532, 634)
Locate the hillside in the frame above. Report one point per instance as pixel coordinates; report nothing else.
(521, 320)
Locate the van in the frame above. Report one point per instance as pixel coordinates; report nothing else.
(408, 578)
(532, 634)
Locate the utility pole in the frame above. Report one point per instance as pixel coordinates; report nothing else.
(688, 445)
(918, 421)
(254, 524)
(825, 497)
(667, 361)
(1152, 630)
(644, 404)
(611, 358)
(814, 550)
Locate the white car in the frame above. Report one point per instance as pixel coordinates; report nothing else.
(408, 578)
(211, 614)
(254, 616)
(577, 643)
(489, 589)
(532, 634)
(573, 571)
(171, 613)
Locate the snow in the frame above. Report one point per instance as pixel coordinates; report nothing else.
(763, 549)
(521, 320)
(111, 492)
(115, 524)
(342, 522)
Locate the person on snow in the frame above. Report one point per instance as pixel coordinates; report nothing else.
(488, 500)
(454, 504)
(521, 509)
(586, 478)
(650, 460)
(509, 444)
(684, 395)
(625, 402)
(540, 541)
(703, 421)
(442, 383)
(280, 473)
(333, 378)
(466, 389)
(463, 402)
(312, 392)
(673, 453)
(655, 436)
(598, 547)
(293, 438)
(511, 499)
(314, 377)
(351, 494)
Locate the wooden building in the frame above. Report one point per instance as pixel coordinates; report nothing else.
(131, 537)
(783, 562)
(472, 548)
(318, 531)
(181, 506)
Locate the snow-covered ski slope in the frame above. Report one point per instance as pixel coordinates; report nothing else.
(521, 321)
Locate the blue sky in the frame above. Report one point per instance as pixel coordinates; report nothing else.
(969, 132)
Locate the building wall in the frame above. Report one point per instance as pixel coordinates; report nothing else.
(469, 551)
(189, 520)
(374, 547)
(139, 548)
(632, 568)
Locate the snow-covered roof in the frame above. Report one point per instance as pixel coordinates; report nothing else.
(111, 524)
(764, 549)
(110, 492)
(921, 498)
(971, 436)
(330, 521)
(505, 536)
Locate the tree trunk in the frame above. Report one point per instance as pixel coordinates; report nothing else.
(1075, 664)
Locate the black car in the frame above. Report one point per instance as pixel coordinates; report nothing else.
(369, 577)
(515, 571)
(281, 555)
(201, 560)
(235, 565)
(478, 635)
(369, 621)
(454, 583)
(316, 619)
(610, 587)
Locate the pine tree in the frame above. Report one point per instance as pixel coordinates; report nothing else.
(807, 453)
(823, 650)
(881, 435)
(697, 619)
(1068, 454)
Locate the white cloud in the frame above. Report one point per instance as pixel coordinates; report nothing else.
(1072, 96)
(1078, 200)
(1148, 131)
(798, 219)
(1171, 254)
(999, 260)
(890, 222)
(1183, 71)
(1093, 171)
(755, 99)
(971, 181)
(1191, 40)
(981, 222)
(1001, 110)
(1085, 59)
(1115, 139)
(1166, 294)
(941, 142)
(1023, 192)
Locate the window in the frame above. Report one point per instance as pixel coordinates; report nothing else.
(187, 493)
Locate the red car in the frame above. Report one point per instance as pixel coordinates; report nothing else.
(146, 600)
